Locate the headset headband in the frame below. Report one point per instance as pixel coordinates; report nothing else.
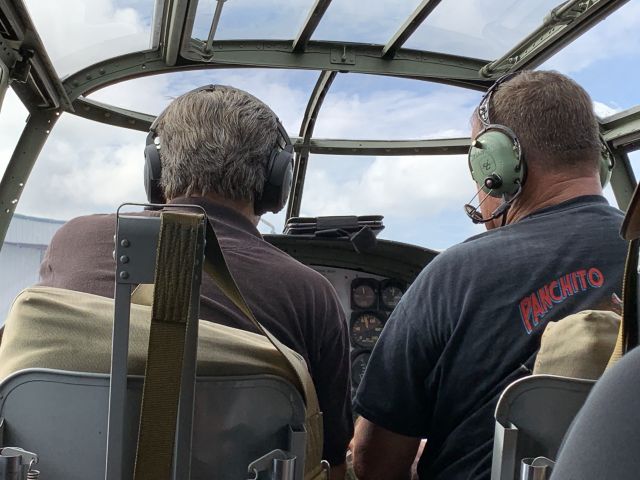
(279, 166)
(483, 108)
(284, 136)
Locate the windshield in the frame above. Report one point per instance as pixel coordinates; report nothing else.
(78, 33)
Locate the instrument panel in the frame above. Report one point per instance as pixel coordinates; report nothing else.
(368, 300)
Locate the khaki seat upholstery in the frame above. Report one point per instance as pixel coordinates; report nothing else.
(70, 331)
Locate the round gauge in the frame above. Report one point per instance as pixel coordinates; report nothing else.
(358, 367)
(366, 329)
(364, 296)
(391, 295)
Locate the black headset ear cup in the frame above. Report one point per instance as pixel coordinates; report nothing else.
(278, 182)
(152, 171)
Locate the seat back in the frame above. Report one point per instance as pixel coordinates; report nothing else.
(532, 417)
(62, 416)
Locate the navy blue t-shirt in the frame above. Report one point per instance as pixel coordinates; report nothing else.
(471, 323)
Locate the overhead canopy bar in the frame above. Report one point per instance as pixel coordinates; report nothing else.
(563, 25)
(321, 56)
(409, 27)
(310, 24)
(449, 146)
(306, 132)
(32, 75)
(173, 28)
(214, 24)
(623, 129)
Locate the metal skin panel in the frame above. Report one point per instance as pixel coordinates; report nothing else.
(33, 137)
(306, 131)
(416, 64)
(389, 259)
(541, 408)
(63, 417)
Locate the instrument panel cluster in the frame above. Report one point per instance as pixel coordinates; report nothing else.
(372, 301)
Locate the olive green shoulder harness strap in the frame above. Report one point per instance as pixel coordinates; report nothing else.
(175, 264)
(628, 332)
(174, 273)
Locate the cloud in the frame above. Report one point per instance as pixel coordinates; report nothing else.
(406, 187)
(85, 168)
(603, 110)
(78, 33)
(287, 93)
(13, 117)
(385, 112)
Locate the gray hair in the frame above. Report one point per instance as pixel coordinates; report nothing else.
(216, 140)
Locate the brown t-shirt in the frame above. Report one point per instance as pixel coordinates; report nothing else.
(295, 303)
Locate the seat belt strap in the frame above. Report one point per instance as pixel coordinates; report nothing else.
(628, 332)
(216, 266)
(176, 276)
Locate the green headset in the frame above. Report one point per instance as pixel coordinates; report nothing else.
(497, 164)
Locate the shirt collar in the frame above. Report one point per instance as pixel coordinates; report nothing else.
(220, 213)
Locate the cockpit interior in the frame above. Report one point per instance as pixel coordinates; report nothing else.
(376, 98)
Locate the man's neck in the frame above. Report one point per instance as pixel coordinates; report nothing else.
(240, 206)
(553, 192)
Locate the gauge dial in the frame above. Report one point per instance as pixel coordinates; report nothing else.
(363, 295)
(366, 329)
(358, 367)
(391, 295)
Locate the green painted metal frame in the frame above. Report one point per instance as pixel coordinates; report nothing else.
(445, 146)
(306, 132)
(623, 180)
(458, 71)
(409, 27)
(563, 25)
(623, 129)
(24, 156)
(342, 57)
(310, 24)
(42, 88)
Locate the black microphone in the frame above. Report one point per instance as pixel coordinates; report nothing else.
(476, 217)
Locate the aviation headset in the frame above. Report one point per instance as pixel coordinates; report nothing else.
(279, 170)
(497, 164)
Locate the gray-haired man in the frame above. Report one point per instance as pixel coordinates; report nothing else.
(215, 146)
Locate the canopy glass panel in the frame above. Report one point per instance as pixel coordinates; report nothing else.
(479, 28)
(285, 91)
(252, 19)
(374, 107)
(13, 116)
(352, 21)
(78, 33)
(606, 61)
(419, 206)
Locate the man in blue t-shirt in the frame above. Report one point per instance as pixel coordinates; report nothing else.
(471, 322)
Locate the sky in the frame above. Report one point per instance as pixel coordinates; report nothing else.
(88, 167)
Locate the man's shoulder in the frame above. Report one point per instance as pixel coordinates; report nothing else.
(595, 224)
(86, 223)
(299, 272)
